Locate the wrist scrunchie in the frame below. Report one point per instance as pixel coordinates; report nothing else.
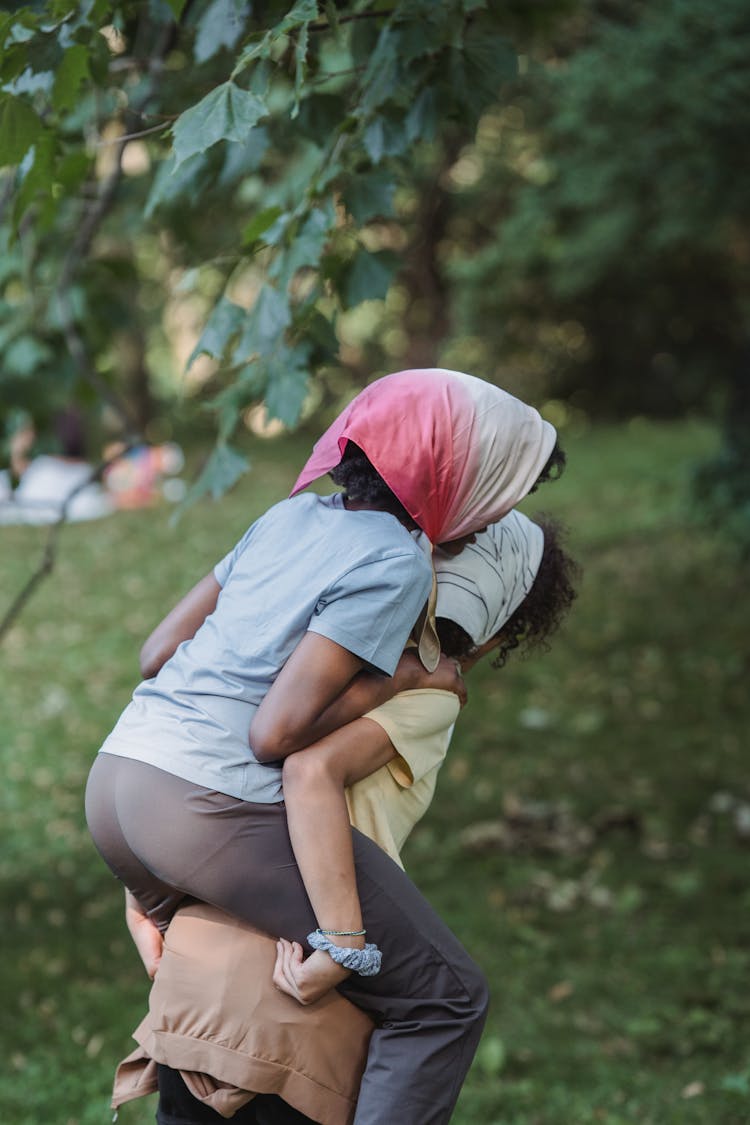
(365, 962)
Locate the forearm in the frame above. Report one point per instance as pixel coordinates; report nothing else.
(319, 828)
(369, 690)
(366, 691)
(325, 858)
(278, 730)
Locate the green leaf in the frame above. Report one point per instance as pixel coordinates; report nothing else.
(39, 177)
(370, 276)
(381, 78)
(300, 69)
(422, 118)
(20, 128)
(390, 137)
(332, 16)
(369, 196)
(259, 224)
(220, 26)
(374, 140)
(44, 51)
(264, 326)
(25, 355)
(222, 324)
(305, 248)
(413, 40)
(171, 182)
(72, 170)
(177, 6)
(303, 12)
(223, 469)
(320, 333)
(320, 116)
(288, 385)
(244, 156)
(226, 114)
(13, 61)
(249, 386)
(479, 68)
(72, 71)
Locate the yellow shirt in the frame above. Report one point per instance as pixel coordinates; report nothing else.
(387, 804)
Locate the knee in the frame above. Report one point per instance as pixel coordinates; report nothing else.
(467, 993)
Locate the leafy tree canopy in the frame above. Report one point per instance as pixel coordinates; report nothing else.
(243, 159)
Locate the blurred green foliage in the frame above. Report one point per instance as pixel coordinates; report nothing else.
(220, 203)
(614, 190)
(217, 161)
(613, 919)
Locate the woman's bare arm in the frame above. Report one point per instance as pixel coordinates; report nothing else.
(319, 828)
(322, 687)
(321, 835)
(314, 782)
(180, 624)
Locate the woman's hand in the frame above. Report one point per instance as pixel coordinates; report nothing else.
(411, 674)
(147, 937)
(306, 980)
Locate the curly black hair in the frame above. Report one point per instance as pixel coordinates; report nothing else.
(363, 484)
(538, 615)
(554, 466)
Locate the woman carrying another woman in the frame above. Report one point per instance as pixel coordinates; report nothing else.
(275, 643)
(213, 1013)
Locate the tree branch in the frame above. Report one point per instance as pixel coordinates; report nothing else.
(82, 244)
(49, 551)
(136, 136)
(79, 249)
(355, 16)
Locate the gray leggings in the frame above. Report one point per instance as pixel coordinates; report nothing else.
(168, 839)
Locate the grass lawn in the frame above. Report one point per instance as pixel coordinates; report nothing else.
(589, 841)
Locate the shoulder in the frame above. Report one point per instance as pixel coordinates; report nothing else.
(303, 508)
(361, 536)
(294, 511)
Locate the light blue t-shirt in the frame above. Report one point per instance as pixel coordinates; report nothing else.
(357, 578)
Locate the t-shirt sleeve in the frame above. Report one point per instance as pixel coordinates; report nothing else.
(420, 725)
(371, 608)
(224, 567)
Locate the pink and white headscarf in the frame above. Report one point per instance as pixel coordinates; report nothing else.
(458, 452)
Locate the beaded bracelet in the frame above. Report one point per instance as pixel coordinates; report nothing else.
(365, 962)
(341, 933)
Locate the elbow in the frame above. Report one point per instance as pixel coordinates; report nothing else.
(148, 663)
(268, 742)
(150, 659)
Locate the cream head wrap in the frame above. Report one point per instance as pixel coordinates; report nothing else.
(483, 587)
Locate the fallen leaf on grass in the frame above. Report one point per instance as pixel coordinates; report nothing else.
(560, 991)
